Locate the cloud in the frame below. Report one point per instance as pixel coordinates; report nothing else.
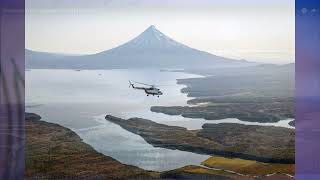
(314, 10)
(304, 10)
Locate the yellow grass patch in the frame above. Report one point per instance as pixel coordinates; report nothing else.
(248, 167)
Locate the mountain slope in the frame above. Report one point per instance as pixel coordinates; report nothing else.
(151, 49)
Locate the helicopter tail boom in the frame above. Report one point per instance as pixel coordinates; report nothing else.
(131, 84)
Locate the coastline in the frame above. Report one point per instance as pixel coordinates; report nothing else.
(53, 151)
(229, 140)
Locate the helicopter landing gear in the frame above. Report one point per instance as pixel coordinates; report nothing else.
(158, 96)
(147, 94)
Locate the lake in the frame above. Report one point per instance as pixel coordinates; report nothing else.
(80, 100)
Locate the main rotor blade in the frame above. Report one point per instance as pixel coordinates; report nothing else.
(143, 83)
(163, 85)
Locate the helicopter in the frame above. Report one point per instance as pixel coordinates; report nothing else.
(149, 90)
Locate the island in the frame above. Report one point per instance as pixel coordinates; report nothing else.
(262, 110)
(260, 143)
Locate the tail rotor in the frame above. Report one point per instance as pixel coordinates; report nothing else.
(130, 85)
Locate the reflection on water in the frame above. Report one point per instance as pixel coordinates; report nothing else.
(80, 99)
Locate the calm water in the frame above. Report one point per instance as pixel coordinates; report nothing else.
(80, 99)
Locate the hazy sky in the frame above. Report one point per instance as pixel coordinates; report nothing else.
(260, 31)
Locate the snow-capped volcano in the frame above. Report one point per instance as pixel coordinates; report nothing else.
(150, 49)
(152, 38)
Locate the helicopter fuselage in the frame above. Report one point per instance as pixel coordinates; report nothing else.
(153, 91)
(148, 90)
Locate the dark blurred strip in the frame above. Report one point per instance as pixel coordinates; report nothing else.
(5, 125)
(12, 41)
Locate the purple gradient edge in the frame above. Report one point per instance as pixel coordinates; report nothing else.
(12, 42)
(307, 106)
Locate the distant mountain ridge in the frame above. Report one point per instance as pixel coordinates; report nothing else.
(151, 49)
